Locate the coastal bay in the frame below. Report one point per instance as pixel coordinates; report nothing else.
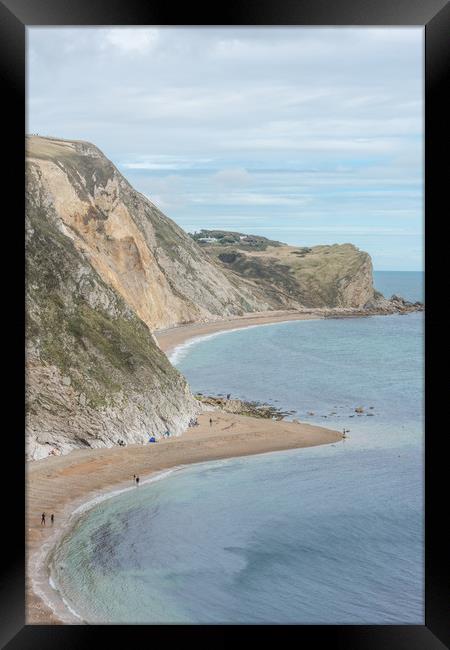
(61, 484)
(172, 337)
(109, 362)
(224, 332)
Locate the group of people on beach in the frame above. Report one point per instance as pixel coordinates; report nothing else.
(193, 422)
(52, 519)
(135, 479)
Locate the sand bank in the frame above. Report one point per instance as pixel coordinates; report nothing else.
(62, 484)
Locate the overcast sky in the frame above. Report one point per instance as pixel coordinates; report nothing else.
(305, 135)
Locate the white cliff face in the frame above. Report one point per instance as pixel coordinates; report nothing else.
(62, 417)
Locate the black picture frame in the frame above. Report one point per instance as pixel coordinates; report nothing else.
(15, 16)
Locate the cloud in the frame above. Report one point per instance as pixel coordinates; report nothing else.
(131, 40)
(270, 127)
(347, 230)
(167, 193)
(243, 199)
(238, 177)
(157, 163)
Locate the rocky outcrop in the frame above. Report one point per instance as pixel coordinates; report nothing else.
(242, 407)
(394, 305)
(292, 277)
(335, 281)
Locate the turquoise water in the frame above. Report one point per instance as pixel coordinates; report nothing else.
(326, 535)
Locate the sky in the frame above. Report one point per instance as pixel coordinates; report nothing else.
(304, 135)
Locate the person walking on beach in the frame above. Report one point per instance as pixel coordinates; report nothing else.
(43, 519)
(52, 518)
(137, 480)
(210, 422)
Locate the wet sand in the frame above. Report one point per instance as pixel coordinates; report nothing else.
(61, 484)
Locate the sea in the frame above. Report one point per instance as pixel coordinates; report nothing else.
(325, 535)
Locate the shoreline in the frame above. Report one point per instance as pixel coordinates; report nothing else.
(44, 603)
(70, 485)
(171, 338)
(42, 583)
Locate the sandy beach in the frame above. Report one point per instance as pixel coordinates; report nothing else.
(175, 336)
(62, 484)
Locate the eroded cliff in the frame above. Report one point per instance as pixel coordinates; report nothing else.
(151, 262)
(94, 373)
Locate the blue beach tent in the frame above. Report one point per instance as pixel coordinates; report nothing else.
(152, 439)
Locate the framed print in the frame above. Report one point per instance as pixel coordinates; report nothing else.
(229, 426)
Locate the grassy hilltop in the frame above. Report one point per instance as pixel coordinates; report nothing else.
(290, 276)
